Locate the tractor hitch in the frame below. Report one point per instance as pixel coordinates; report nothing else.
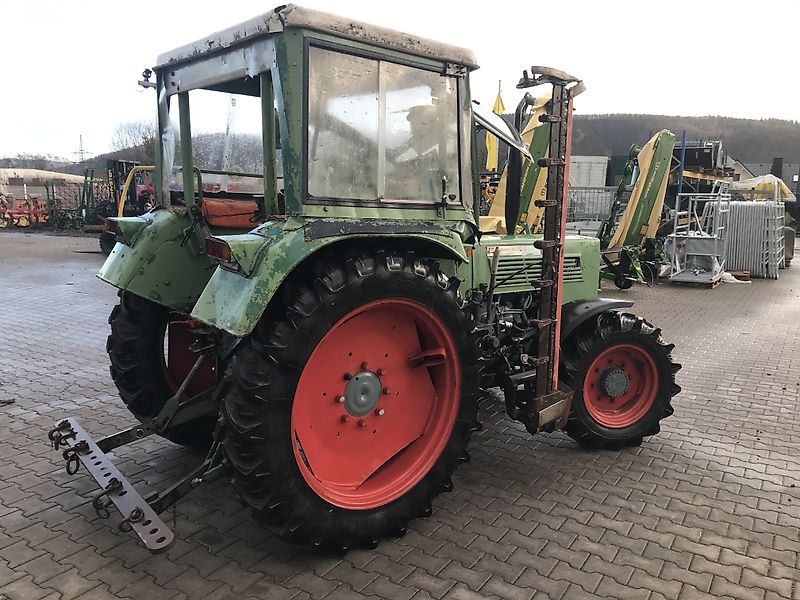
(139, 514)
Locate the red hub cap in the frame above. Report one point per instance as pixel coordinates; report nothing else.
(621, 385)
(375, 404)
(177, 358)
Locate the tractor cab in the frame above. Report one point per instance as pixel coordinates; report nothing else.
(292, 121)
(320, 118)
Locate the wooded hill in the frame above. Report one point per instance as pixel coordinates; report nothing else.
(747, 140)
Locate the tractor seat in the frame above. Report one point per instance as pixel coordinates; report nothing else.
(228, 213)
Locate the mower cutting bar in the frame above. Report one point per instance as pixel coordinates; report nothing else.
(137, 513)
(552, 238)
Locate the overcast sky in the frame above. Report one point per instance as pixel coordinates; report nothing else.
(70, 68)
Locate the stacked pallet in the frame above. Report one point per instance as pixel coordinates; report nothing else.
(755, 238)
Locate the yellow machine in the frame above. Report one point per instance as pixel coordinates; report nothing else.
(534, 178)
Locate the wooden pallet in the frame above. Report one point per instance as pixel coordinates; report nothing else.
(741, 275)
(697, 284)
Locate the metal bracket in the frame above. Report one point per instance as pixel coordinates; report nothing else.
(541, 75)
(71, 455)
(209, 470)
(60, 434)
(116, 490)
(548, 118)
(551, 162)
(455, 70)
(545, 203)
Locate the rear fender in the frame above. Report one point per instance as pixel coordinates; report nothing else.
(579, 311)
(161, 261)
(235, 300)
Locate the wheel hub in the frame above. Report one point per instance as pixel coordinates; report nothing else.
(376, 403)
(614, 382)
(362, 393)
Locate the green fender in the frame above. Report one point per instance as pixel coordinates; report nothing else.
(235, 300)
(163, 260)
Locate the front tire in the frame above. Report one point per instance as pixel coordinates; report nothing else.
(623, 379)
(350, 406)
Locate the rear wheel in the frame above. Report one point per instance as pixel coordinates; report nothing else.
(150, 357)
(350, 406)
(623, 379)
(107, 242)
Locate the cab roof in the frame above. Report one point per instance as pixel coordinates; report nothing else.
(291, 15)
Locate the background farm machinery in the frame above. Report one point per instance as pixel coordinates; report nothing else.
(33, 199)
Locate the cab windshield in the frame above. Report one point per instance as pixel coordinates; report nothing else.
(379, 131)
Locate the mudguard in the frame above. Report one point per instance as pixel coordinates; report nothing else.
(576, 312)
(164, 260)
(235, 300)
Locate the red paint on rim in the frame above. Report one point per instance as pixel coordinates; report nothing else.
(177, 359)
(360, 463)
(626, 409)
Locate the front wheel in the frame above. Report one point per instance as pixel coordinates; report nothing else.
(623, 379)
(348, 409)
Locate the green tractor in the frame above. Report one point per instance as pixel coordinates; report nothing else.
(327, 330)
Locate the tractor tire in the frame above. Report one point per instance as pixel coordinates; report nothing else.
(107, 242)
(144, 376)
(351, 404)
(622, 282)
(623, 379)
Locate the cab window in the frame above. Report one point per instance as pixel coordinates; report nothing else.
(379, 131)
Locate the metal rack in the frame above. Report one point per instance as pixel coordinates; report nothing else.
(697, 247)
(757, 238)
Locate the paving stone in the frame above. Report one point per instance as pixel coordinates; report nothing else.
(20, 553)
(755, 581)
(472, 578)
(382, 587)
(609, 588)
(723, 587)
(422, 580)
(71, 584)
(24, 589)
(43, 568)
(619, 572)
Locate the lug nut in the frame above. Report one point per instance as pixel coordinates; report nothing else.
(364, 366)
(344, 418)
(385, 391)
(380, 412)
(340, 399)
(362, 423)
(380, 372)
(347, 377)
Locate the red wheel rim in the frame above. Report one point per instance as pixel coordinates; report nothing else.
(363, 461)
(621, 385)
(177, 359)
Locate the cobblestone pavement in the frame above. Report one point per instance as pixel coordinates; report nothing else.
(707, 509)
